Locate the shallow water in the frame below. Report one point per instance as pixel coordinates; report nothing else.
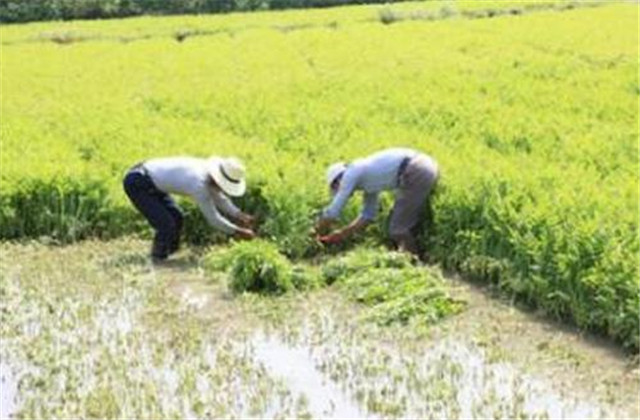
(9, 392)
(451, 379)
(296, 366)
(132, 340)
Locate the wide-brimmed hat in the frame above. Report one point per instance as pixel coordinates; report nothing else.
(335, 171)
(229, 174)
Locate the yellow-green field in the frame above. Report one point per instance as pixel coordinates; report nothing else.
(532, 115)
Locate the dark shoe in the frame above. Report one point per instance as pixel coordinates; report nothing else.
(159, 250)
(174, 247)
(407, 243)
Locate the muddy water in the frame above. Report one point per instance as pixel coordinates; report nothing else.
(494, 360)
(580, 365)
(451, 379)
(8, 392)
(296, 365)
(127, 339)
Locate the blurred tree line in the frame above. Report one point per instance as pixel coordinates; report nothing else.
(12, 11)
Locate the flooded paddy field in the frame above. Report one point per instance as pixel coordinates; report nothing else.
(94, 330)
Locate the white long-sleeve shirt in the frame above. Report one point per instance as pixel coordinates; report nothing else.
(190, 176)
(373, 174)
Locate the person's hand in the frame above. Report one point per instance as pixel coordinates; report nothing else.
(245, 234)
(334, 238)
(247, 220)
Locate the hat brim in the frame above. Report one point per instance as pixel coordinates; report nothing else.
(228, 186)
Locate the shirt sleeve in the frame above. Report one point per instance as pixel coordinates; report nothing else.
(213, 216)
(347, 185)
(370, 208)
(225, 205)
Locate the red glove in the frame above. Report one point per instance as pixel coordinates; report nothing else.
(330, 239)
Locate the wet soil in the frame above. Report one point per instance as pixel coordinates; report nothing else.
(95, 329)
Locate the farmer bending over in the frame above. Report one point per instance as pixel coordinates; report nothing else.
(149, 183)
(411, 173)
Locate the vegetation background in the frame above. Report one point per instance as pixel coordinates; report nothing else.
(35, 10)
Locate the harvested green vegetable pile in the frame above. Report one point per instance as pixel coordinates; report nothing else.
(393, 288)
(388, 283)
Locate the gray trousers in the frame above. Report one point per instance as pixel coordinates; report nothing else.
(415, 184)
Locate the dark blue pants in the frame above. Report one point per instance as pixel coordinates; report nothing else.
(158, 208)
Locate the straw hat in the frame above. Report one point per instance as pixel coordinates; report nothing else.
(229, 174)
(335, 171)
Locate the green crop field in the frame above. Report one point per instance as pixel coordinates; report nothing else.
(531, 109)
